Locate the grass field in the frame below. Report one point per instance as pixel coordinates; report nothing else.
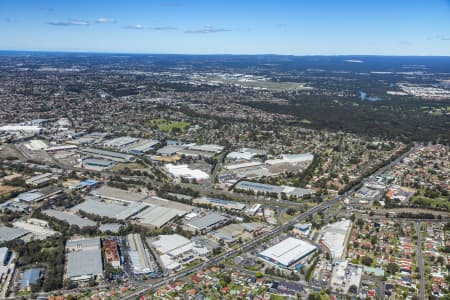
(6, 189)
(131, 166)
(166, 126)
(439, 203)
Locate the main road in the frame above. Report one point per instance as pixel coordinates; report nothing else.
(274, 232)
(420, 263)
(244, 247)
(251, 244)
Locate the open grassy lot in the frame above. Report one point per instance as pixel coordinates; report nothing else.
(169, 126)
(131, 166)
(6, 189)
(438, 203)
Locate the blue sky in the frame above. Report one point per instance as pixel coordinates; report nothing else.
(299, 27)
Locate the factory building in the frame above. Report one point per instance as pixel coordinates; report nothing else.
(291, 159)
(335, 236)
(111, 210)
(288, 253)
(69, 218)
(40, 180)
(272, 189)
(110, 193)
(158, 216)
(142, 147)
(207, 222)
(120, 142)
(97, 162)
(227, 204)
(183, 171)
(140, 257)
(115, 156)
(84, 259)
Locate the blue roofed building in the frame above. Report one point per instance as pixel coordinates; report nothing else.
(86, 183)
(5, 255)
(31, 196)
(30, 277)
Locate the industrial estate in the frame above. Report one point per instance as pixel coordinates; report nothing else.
(129, 178)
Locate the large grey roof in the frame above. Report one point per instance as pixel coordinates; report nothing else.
(81, 244)
(84, 263)
(143, 146)
(111, 210)
(259, 186)
(206, 221)
(29, 196)
(112, 154)
(158, 216)
(71, 219)
(169, 150)
(10, 233)
(98, 162)
(111, 193)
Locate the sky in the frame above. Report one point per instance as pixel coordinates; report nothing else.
(296, 27)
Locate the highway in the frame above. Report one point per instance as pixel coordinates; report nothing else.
(271, 234)
(245, 247)
(251, 244)
(420, 263)
(210, 182)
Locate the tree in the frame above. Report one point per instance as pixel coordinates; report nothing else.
(360, 223)
(291, 211)
(314, 296)
(373, 239)
(353, 289)
(367, 260)
(392, 268)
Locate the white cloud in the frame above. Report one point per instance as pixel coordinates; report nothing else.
(71, 22)
(163, 28)
(157, 28)
(443, 37)
(135, 27)
(207, 29)
(105, 20)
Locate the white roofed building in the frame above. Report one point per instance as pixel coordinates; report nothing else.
(288, 253)
(291, 159)
(334, 237)
(183, 171)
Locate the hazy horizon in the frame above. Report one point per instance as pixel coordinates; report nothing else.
(388, 28)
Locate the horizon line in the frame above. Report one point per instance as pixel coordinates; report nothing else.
(215, 54)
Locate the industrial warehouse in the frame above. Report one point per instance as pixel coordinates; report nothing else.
(141, 260)
(110, 193)
(288, 253)
(335, 237)
(227, 204)
(111, 210)
(84, 259)
(268, 189)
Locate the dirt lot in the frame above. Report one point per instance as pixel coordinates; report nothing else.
(5, 189)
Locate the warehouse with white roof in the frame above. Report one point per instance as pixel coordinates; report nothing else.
(334, 237)
(158, 216)
(172, 244)
(288, 253)
(183, 171)
(109, 209)
(291, 159)
(176, 250)
(84, 259)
